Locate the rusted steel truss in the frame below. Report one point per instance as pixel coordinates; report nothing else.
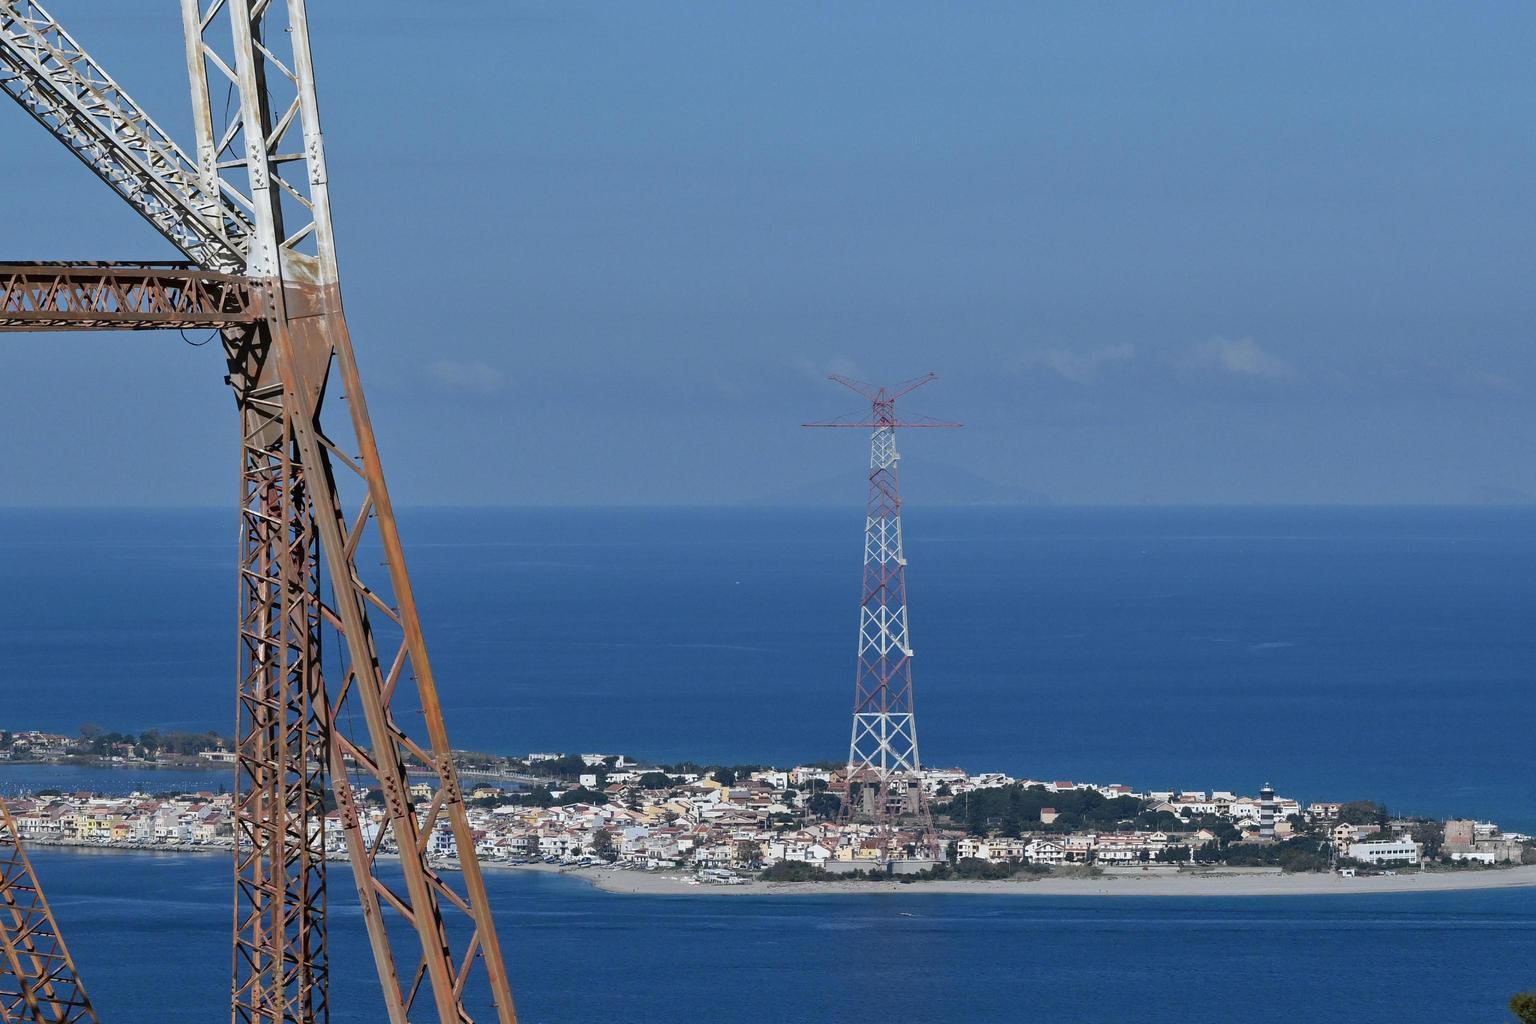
(383, 682)
(38, 983)
(281, 965)
(314, 511)
(94, 296)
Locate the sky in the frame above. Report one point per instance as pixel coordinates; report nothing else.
(602, 253)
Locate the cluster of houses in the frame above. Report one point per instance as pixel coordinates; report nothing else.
(33, 745)
(694, 820)
(193, 819)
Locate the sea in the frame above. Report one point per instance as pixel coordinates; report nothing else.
(150, 933)
(1336, 653)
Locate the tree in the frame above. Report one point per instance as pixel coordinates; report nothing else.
(655, 780)
(1523, 1006)
(566, 766)
(1431, 834)
(795, 871)
(974, 867)
(1363, 812)
(725, 776)
(824, 805)
(602, 844)
(750, 853)
(1159, 821)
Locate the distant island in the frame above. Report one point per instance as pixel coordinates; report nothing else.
(764, 826)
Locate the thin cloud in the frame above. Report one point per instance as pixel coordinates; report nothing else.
(470, 377)
(1079, 367)
(1242, 358)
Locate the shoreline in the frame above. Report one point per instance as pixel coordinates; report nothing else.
(1259, 882)
(1242, 882)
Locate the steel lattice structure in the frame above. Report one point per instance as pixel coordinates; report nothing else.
(884, 775)
(251, 213)
(98, 296)
(37, 977)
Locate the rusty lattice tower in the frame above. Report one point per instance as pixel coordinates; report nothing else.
(249, 209)
(883, 783)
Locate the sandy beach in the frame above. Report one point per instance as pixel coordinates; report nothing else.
(1259, 882)
(1113, 882)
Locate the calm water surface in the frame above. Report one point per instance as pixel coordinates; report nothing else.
(151, 934)
(1337, 653)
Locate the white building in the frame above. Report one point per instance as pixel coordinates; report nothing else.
(441, 843)
(803, 774)
(1386, 851)
(772, 779)
(1044, 851)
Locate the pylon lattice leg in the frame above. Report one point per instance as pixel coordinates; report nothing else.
(281, 967)
(38, 982)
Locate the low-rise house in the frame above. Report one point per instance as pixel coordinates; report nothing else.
(1120, 849)
(1077, 848)
(1045, 851)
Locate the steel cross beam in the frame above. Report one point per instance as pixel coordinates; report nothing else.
(123, 296)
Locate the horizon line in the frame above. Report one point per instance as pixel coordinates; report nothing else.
(790, 506)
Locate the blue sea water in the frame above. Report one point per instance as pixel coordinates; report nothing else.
(1336, 652)
(151, 936)
(17, 779)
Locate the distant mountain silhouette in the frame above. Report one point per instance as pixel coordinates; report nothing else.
(931, 483)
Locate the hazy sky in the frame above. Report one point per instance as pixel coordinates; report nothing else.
(604, 253)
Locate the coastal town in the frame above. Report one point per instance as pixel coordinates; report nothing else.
(725, 824)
